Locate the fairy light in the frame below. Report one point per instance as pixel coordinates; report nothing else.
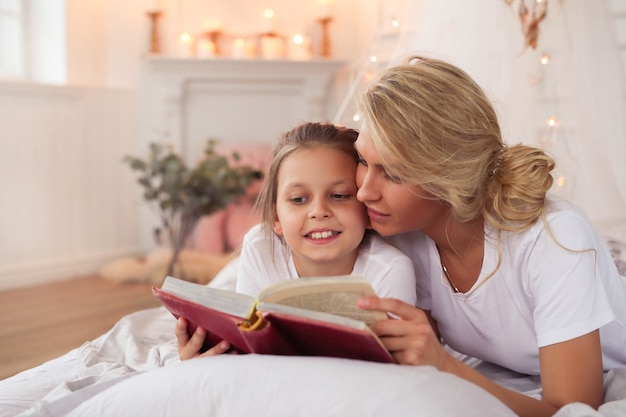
(185, 37)
(395, 23)
(373, 58)
(356, 117)
(560, 181)
(544, 59)
(552, 121)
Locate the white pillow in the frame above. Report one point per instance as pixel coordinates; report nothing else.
(265, 385)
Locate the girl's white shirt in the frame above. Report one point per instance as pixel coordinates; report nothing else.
(388, 270)
(541, 293)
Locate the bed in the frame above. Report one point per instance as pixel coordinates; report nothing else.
(133, 369)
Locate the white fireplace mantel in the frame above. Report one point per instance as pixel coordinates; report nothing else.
(185, 102)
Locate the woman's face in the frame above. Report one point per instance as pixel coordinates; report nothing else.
(393, 207)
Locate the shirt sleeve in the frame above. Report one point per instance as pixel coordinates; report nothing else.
(249, 278)
(563, 280)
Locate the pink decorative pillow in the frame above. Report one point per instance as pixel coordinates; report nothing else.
(223, 231)
(208, 237)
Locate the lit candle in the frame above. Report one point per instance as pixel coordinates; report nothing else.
(272, 47)
(268, 21)
(185, 45)
(205, 49)
(152, 5)
(299, 48)
(239, 49)
(213, 25)
(324, 9)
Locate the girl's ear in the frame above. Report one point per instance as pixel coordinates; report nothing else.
(278, 229)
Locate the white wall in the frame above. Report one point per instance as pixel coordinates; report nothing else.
(73, 137)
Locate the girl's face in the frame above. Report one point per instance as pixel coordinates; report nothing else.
(318, 214)
(392, 207)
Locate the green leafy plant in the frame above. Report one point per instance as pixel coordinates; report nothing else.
(183, 195)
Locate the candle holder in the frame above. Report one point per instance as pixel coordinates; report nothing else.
(325, 47)
(214, 36)
(155, 41)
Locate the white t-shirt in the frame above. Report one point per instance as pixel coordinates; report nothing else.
(388, 270)
(540, 295)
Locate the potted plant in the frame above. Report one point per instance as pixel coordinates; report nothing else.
(182, 195)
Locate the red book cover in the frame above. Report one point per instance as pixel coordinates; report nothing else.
(277, 327)
(319, 338)
(223, 326)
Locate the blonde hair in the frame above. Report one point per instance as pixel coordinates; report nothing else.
(304, 136)
(433, 126)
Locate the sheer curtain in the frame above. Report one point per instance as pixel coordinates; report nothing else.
(581, 88)
(11, 59)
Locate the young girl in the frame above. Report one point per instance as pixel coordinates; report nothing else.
(506, 273)
(312, 225)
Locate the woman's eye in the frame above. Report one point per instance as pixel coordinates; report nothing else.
(360, 160)
(392, 178)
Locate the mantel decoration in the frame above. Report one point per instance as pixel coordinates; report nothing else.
(183, 195)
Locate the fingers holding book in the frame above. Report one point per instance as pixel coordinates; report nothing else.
(191, 346)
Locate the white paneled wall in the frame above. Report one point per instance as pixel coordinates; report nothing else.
(68, 202)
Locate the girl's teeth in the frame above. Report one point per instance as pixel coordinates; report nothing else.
(321, 235)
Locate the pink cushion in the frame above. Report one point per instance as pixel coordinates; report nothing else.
(223, 231)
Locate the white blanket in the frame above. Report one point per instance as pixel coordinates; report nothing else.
(134, 370)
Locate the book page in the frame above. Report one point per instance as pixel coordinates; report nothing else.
(228, 302)
(332, 295)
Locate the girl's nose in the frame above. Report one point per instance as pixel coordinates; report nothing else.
(319, 210)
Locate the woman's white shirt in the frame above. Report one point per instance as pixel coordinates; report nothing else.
(539, 295)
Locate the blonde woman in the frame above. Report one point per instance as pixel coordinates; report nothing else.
(505, 272)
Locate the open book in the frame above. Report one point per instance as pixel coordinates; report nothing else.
(306, 316)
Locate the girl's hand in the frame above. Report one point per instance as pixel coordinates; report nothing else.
(189, 346)
(411, 338)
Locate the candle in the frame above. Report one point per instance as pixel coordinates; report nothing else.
(268, 21)
(185, 45)
(206, 49)
(299, 48)
(213, 25)
(324, 9)
(272, 47)
(152, 5)
(239, 49)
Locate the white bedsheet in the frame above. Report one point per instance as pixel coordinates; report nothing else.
(134, 370)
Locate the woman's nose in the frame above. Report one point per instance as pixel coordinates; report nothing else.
(366, 190)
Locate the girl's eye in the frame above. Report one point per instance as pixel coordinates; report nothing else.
(338, 196)
(297, 200)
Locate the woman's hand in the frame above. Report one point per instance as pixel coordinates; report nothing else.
(189, 346)
(410, 339)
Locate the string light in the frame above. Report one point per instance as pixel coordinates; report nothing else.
(544, 59)
(552, 121)
(356, 117)
(395, 23)
(373, 58)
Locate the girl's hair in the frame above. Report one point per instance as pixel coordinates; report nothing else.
(433, 126)
(304, 136)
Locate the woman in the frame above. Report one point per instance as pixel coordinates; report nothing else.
(505, 272)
